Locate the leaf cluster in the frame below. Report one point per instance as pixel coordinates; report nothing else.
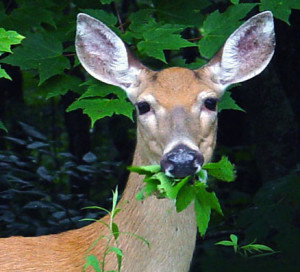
(7, 39)
(188, 190)
(153, 29)
(111, 238)
(252, 249)
(37, 193)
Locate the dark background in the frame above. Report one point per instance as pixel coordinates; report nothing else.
(52, 164)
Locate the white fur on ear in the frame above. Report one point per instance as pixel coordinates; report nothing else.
(103, 54)
(246, 52)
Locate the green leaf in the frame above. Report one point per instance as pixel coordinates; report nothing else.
(227, 103)
(202, 176)
(54, 65)
(116, 250)
(149, 188)
(114, 212)
(184, 198)
(60, 85)
(119, 255)
(27, 18)
(115, 202)
(175, 12)
(97, 108)
(234, 238)
(154, 37)
(99, 89)
(92, 261)
(140, 22)
(162, 38)
(115, 231)
(202, 213)
(218, 26)
(165, 186)
(224, 243)
(9, 38)
(169, 187)
(43, 53)
(235, 2)
(207, 199)
(96, 105)
(257, 247)
(222, 170)
(2, 126)
(145, 170)
(204, 203)
(180, 184)
(107, 18)
(4, 74)
(281, 9)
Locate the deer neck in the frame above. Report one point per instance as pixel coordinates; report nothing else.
(135, 181)
(171, 235)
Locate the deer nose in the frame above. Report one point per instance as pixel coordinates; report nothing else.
(181, 161)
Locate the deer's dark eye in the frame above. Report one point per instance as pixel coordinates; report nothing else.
(210, 103)
(143, 107)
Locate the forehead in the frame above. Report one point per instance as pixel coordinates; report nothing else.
(177, 86)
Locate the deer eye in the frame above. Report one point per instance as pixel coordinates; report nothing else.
(143, 107)
(211, 103)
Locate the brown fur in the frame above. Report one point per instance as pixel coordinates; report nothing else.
(171, 235)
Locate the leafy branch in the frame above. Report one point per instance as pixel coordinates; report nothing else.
(251, 250)
(111, 239)
(187, 190)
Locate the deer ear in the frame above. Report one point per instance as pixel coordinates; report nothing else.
(103, 54)
(246, 52)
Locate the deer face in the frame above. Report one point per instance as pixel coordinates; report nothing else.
(177, 120)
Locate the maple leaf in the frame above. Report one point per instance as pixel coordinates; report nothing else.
(218, 26)
(43, 53)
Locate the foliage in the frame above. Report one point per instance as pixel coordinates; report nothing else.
(151, 31)
(280, 9)
(188, 190)
(111, 238)
(96, 105)
(218, 26)
(254, 250)
(270, 217)
(36, 197)
(227, 102)
(7, 39)
(48, 59)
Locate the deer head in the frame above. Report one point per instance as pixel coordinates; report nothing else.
(177, 107)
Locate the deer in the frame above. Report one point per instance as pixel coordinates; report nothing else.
(176, 128)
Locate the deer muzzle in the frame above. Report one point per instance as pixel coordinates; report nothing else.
(181, 161)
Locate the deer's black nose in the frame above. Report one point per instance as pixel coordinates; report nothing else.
(181, 161)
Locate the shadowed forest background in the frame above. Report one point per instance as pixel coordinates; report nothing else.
(53, 164)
